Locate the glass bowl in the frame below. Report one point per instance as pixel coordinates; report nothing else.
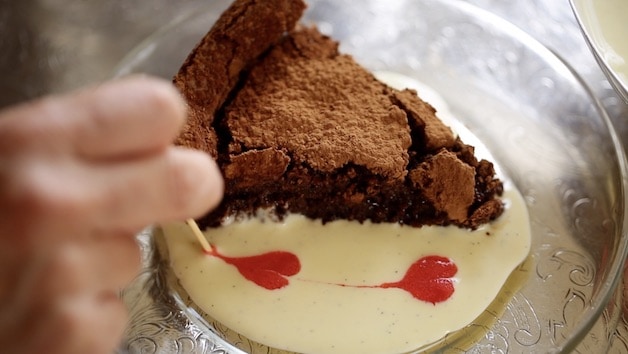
(540, 122)
(604, 25)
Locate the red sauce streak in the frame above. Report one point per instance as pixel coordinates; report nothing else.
(428, 279)
(269, 270)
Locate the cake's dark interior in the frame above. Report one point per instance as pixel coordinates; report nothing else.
(298, 127)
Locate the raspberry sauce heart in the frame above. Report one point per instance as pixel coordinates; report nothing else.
(429, 279)
(269, 270)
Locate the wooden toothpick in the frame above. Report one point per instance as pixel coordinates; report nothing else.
(199, 235)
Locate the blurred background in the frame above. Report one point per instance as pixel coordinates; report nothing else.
(56, 45)
(50, 46)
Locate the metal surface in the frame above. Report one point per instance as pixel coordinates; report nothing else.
(50, 46)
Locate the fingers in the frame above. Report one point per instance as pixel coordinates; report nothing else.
(83, 324)
(67, 298)
(119, 248)
(69, 199)
(123, 118)
(79, 325)
(175, 185)
(131, 176)
(95, 161)
(106, 263)
(99, 264)
(130, 116)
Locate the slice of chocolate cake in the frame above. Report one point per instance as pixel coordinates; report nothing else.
(298, 127)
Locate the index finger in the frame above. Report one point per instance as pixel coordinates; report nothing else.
(119, 119)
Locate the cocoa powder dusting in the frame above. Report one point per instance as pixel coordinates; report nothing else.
(321, 107)
(299, 127)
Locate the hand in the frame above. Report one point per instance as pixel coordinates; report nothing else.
(80, 175)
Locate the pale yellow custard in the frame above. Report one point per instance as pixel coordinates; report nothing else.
(316, 312)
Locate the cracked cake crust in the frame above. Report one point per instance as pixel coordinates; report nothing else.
(298, 127)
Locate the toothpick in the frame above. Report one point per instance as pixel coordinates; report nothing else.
(199, 235)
